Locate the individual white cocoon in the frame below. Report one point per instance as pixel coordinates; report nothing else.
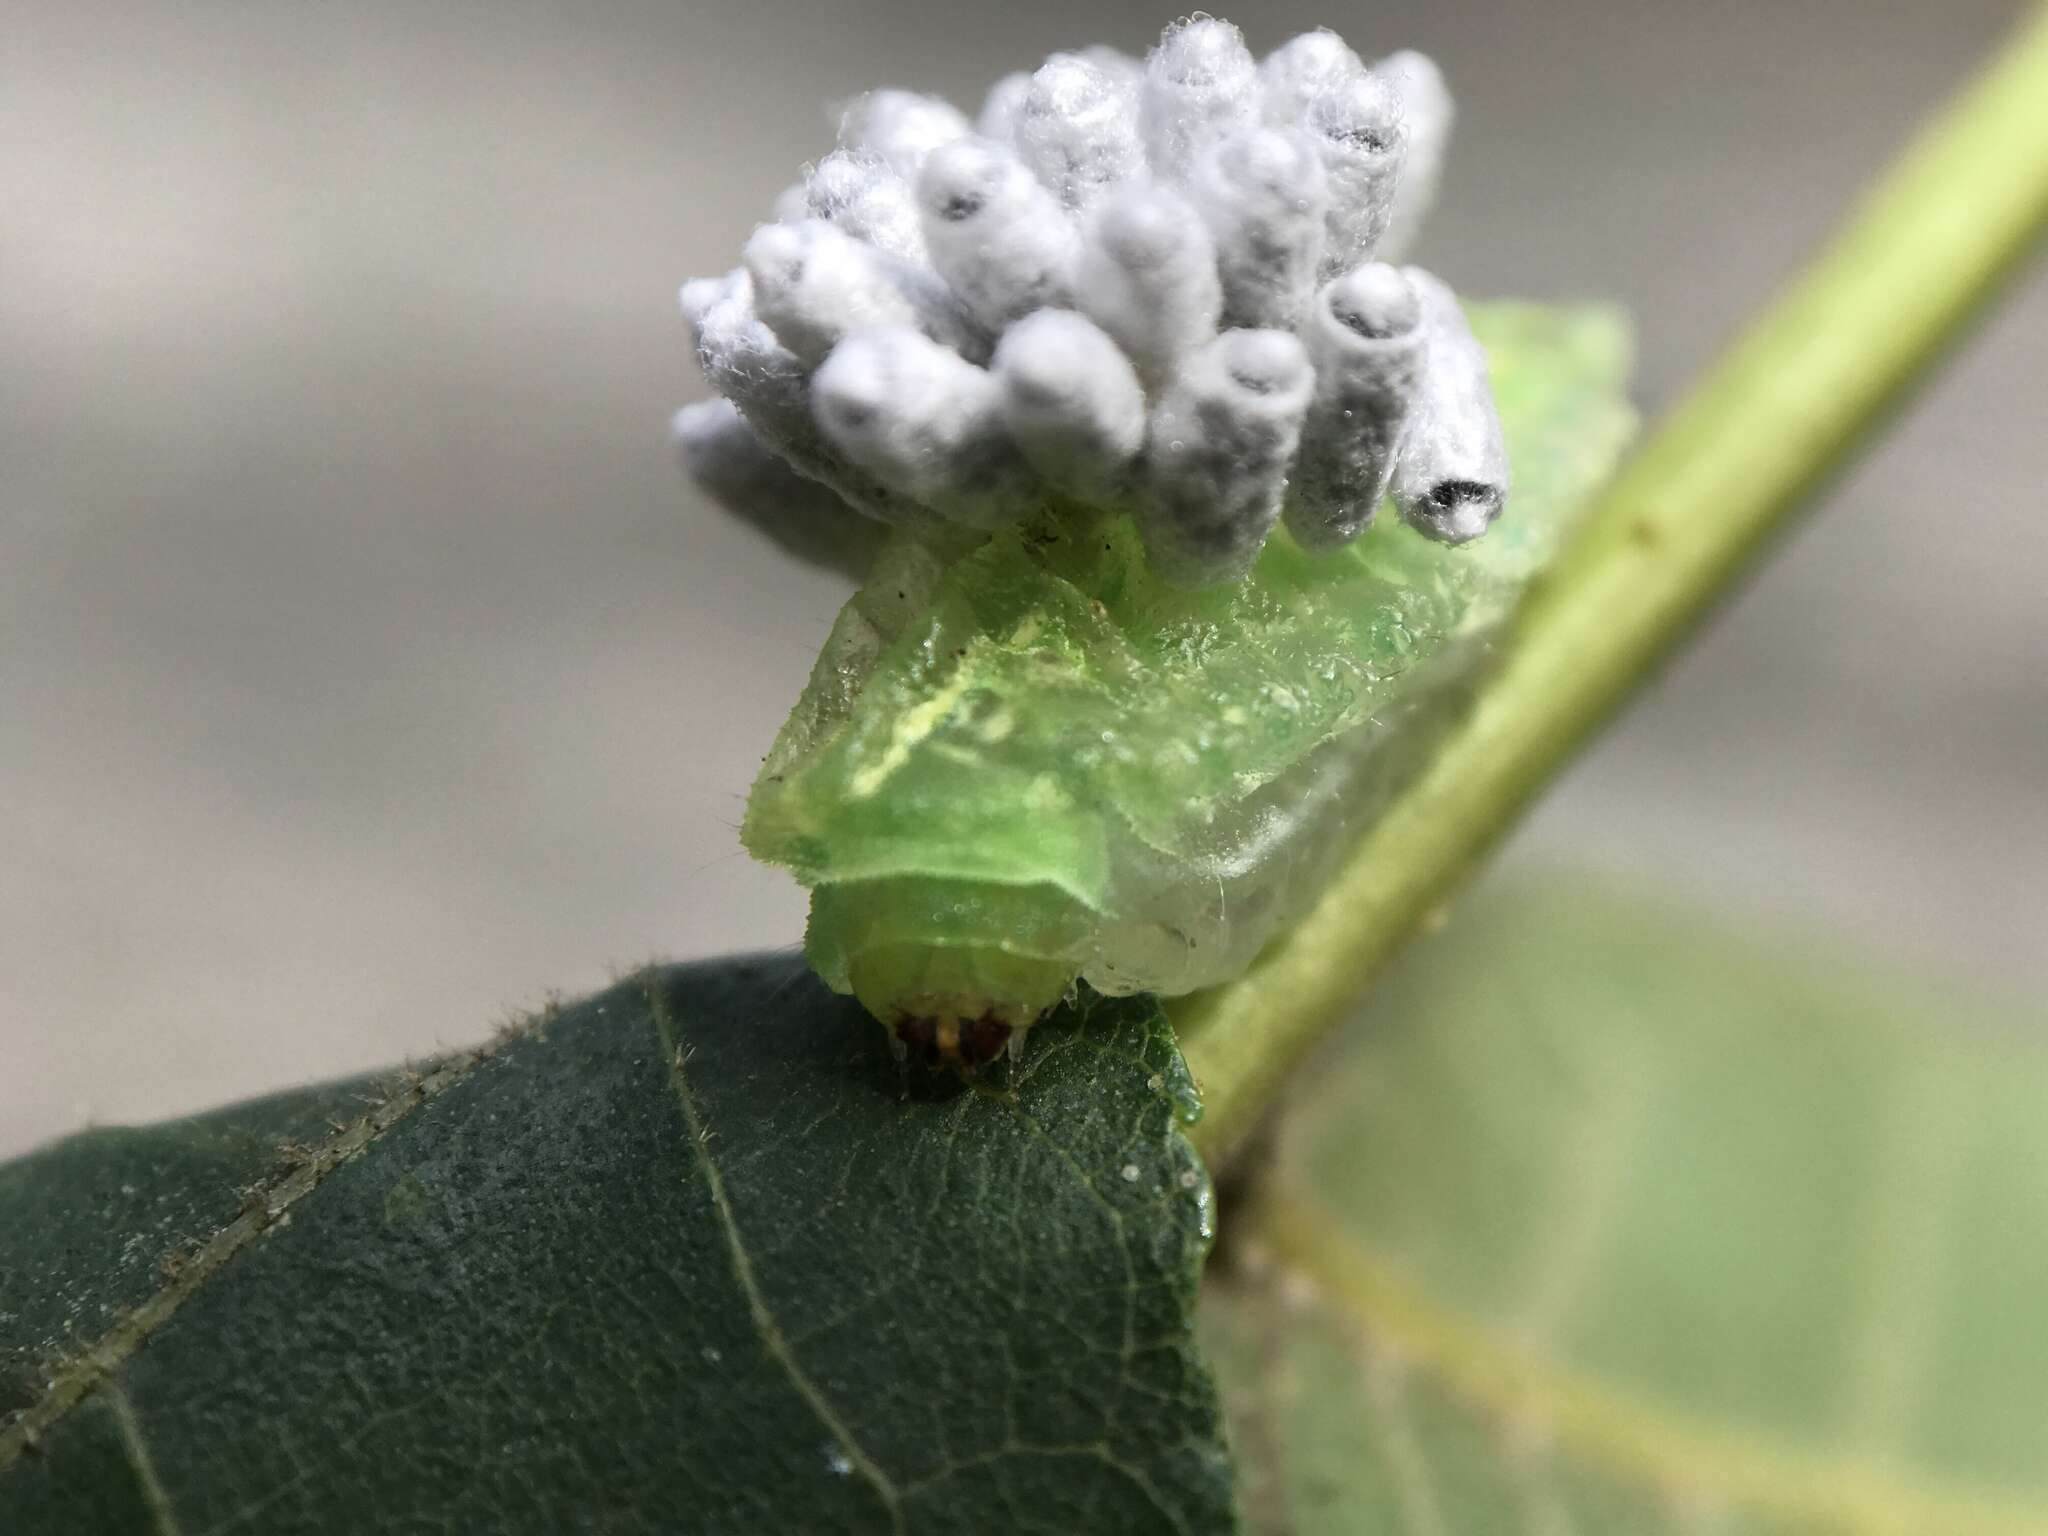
(1216, 456)
(698, 295)
(1201, 85)
(814, 286)
(861, 195)
(1003, 105)
(923, 421)
(1356, 124)
(1115, 63)
(1263, 195)
(1148, 277)
(1451, 479)
(1071, 403)
(1300, 70)
(741, 359)
(736, 469)
(901, 127)
(1078, 128)
(1427, 115)
(999, 239)
(726, 457)
(1366, 340)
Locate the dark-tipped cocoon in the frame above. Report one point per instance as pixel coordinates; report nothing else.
(1366, 341)
(1451, 480)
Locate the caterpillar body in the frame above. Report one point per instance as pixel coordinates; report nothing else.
(1127, 372)
(1034, 763)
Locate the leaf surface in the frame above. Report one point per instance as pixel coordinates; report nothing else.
(691, 1256)
(1596, 1221)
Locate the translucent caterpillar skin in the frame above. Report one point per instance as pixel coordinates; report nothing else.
(1028, 762)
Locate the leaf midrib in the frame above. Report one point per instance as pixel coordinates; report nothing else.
(1632, 1438)
(76, 1379)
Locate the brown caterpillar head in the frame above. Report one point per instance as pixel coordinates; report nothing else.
(949, 1037)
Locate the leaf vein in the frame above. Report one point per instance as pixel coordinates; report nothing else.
(1639, 1441)
(74, 1382)
(154, 1494)
(765, 1325)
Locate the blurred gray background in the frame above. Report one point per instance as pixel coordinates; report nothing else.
(366, 668)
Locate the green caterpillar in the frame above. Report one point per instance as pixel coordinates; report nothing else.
(1023, 761)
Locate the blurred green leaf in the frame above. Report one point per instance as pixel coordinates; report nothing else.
(1598, 1221)
(692, 1256)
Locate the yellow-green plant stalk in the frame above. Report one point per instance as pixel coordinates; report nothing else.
(1930, 245)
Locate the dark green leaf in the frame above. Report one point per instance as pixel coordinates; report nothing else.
(693, 1256)
(1602, 1221)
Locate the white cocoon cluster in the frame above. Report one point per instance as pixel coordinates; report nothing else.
(1452, 478)
(1169, 269)
(1365, 339)
(1217, 455)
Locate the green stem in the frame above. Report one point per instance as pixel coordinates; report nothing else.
(1935, 239)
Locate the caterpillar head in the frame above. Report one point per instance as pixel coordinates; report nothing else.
(940, 1033)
